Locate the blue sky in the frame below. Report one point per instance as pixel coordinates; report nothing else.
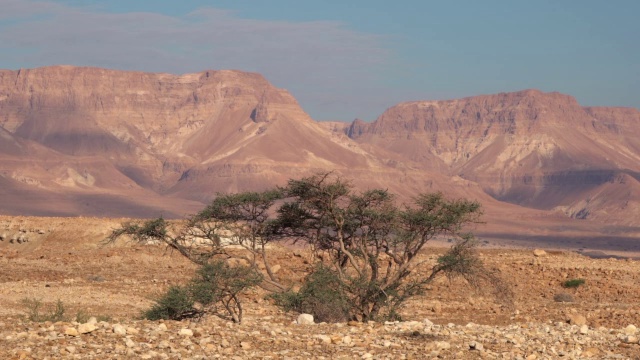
(347, 59)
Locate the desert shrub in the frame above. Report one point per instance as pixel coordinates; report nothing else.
(216, 288)
(219, 284)
(176, 304)
(563, 297)
(35, 311)
(573, 283)
(371, 244)
(231, 221)
(367, 242)
(321, 294)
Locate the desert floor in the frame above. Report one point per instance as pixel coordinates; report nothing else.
(63, 259)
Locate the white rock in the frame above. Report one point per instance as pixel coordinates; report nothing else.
(584, 329)
(442, 345)
(119, 329)
(86, 328)
(412, 325)
(185, 332)
(129, 343)
(539, 252)
(324, 339)
(305, 319)
(71, 331)
(474, 345)
(630, 330)
(162, 327)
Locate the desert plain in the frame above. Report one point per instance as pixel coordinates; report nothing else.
(105, 288)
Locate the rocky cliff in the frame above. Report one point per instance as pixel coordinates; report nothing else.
(531, 148)
(87, 136)
(92, 141)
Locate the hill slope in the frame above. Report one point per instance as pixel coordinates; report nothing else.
(540, 150)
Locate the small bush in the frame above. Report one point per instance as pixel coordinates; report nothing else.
(573, 283)
(563, 297)
(176, 304)
(34, 309)
(321, 295)
(215, 284)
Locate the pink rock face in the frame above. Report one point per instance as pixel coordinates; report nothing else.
(133, 143)
(90, 141)
(540, 150)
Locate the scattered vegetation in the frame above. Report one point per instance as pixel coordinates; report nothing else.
(37, 312)
(573, 283)
(365, 249)
(322, 295)
(216, 289)
(176, 304)
(563, 297)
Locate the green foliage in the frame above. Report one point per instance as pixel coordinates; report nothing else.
(176, 304)
(215, 286)
(321, 295)
(573, 283)
(365, 245)
(34, 310)
(371, 243)
(154, 229)
(247, 206)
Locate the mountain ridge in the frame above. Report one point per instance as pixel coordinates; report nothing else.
(162, 140)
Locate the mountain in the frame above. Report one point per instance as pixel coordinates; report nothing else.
(535, 149)
(91, 141)
(105, 142)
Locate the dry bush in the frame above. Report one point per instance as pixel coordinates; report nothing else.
(563, 297)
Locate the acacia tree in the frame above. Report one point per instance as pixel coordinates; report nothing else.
(230, 222)
(243, 220)
(368, 242)
(372, 244)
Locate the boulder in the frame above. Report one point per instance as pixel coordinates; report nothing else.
(305, 319)
(539, 253)
(86, 328)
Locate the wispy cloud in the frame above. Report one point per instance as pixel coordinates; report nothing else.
(324, 63)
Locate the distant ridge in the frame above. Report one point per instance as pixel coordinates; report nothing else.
(91, 141)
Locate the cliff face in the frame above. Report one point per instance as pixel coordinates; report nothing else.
(101, 142)
(535, 149)
(89, 141)
(148, 136)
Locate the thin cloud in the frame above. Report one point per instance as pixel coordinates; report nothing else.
(325, 56)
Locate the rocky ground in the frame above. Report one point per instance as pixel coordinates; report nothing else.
(104, 289)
